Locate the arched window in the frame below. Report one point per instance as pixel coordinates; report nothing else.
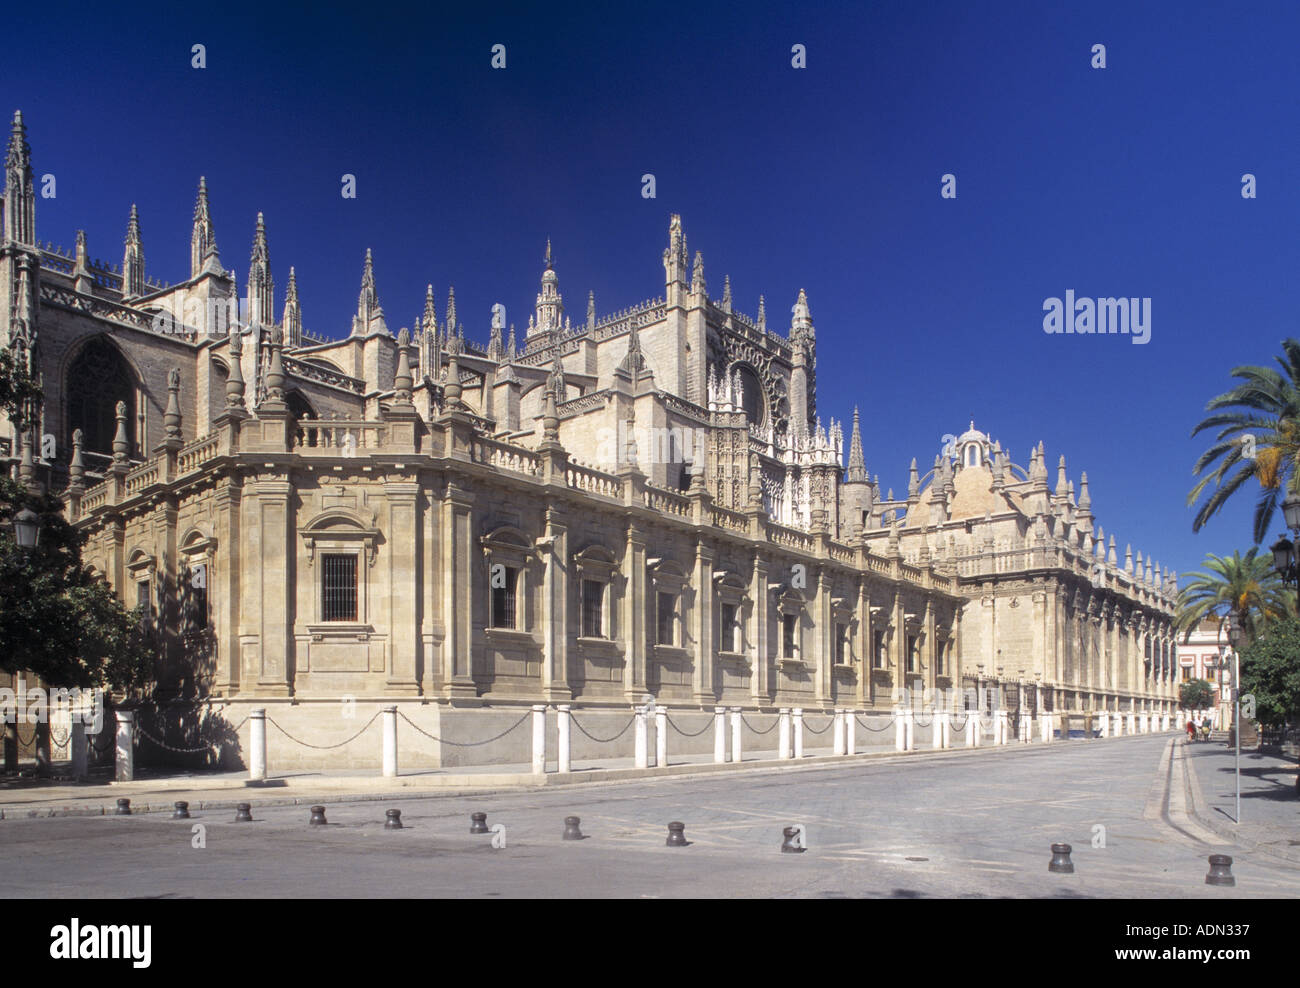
(751, 395)
(97, 380)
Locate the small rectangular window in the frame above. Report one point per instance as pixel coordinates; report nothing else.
(593, 609)
(841, 636)
(503, 597)
(911, 653)
(878, 649)
(789, 627)
(143, 599)
(339, 587)
(666, 619)
(727, 628)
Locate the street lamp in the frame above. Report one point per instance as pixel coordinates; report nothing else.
(1234, 636)
(27, 529)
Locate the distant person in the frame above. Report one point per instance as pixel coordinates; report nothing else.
(1191, 730)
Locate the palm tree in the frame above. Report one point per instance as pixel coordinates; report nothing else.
(1259, 435)
(1245, 585)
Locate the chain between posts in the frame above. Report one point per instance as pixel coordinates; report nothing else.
(172, 748)
(813, 730)
(630, 722)
(770, 728)
(324, 747)
(463, 744)
(685, 734)
(875, 730)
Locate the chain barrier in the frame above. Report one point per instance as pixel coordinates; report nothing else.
(927, 723)
(172, 748)
(686, 734)
(961, 726)
(98, 750)
(875, 730)
(768, 730)
(324, 747)
(461, 744)
(29, 742)
(813, 730)
(574, 721)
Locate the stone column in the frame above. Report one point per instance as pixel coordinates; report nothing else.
(257, 744)
(634, 610)
(403, 552)
(554, 616)
(719, 736)
(124, 759)
(702, 674)
(270, 541)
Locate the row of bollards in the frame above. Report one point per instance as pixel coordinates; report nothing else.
(1220, 872)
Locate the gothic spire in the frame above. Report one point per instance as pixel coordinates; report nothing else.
(857, 464)
(450, 324)
(133, 259)
(726, 293)
(698, 286)
(203, 239)
(591, 311)
(292, 312)
(20, 188)
(261, 289)
(368, 309)
(762, 315)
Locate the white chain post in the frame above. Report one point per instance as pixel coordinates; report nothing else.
(1045, 723)
(1132, 722)
(737, 751)
(642, 738)
(124, 757)
(798, 731)
(390, 742)
(563, 723)
(661, 736)
(1105, 723)
(539, 739)
(837, 731)
(900, 730)
(909, 719)
(257, 744)
(719, 735)
(972, 728)
(783, 734)
(850, 731)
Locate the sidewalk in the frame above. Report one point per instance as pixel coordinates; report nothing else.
(223, 790)
(1270, 809)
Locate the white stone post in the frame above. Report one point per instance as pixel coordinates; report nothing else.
(850, 731)
(1001, 728)
(661, 736)
(900, 730)
(737, 752)
(257, 744)
(1164, 722)
(124, 757)
(1026, 725)
(783, 734)
(719, 735)
(539, 739)
(563, 722)
(1045, 721)
(909, 721)
(837, 731)
(642, 738)
(1104, 717)
(1132, 721)
(972, 728)
(390, 742)
(798, 731)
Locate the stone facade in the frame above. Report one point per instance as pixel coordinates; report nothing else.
(642, 503)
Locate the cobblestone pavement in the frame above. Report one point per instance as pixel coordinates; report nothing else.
(971, 825)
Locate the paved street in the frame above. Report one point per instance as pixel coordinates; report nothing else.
(976, 825)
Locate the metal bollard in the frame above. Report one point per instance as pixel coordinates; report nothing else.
(788, 845)
(123, 807)
(676, 834)
(1220, 872)
(243, 813)
(317, 817)
(1061, 862)
(394, 820)
(737, 754)
(180, 810)
(719, 735)
(571, 829)
(478, 823)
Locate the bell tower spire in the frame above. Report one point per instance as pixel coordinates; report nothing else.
(550, 304)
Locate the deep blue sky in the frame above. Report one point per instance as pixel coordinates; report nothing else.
(1122, 181)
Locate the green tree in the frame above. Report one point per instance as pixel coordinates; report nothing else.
(1196, 694)
(19, 390)
(1247, 586)
(1270, 672)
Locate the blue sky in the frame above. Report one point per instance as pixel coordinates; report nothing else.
(1119, 181)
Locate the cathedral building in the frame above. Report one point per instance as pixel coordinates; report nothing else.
(641, 502)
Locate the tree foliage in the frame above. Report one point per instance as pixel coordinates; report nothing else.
(1247, 586)
(1196, 694)
(1270, 671)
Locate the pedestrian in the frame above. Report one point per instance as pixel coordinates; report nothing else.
(1191, 729)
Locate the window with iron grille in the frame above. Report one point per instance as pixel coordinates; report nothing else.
(504, 584)
(789, 627)
(338, 587)
(143, 598)
(666, 619)
(593, 609)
